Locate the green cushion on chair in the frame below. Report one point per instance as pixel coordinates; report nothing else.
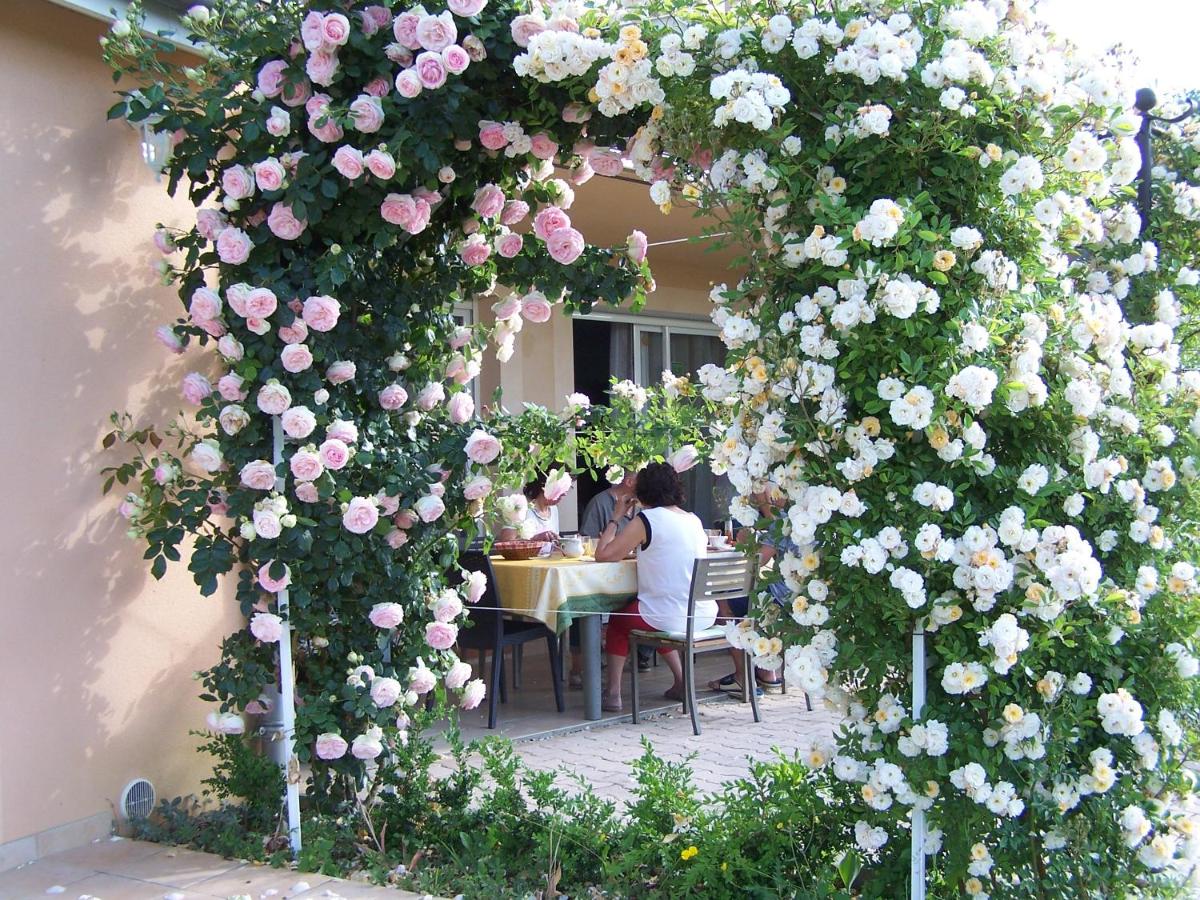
(707, 634)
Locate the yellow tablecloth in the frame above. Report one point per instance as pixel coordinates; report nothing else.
(557, 590)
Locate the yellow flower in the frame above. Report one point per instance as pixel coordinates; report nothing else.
(665, 208)
(591, 33)
(688, 852)
(994, 153)
(593, 96)
(1013, 714)
(656, 114)
(837, 184)
(973, 886)
(625, 56)
(944, 260)
(628, 34)
(939, 437)
(870, 425)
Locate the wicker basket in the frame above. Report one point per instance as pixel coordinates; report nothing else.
(518, 549)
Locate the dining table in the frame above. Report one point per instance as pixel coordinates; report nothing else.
(559, 590)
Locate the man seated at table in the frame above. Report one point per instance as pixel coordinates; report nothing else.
(668, 539)
(596, 516)
(541, 516)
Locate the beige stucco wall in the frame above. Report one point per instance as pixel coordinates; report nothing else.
(96, 658)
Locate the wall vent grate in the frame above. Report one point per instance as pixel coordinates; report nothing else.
(137, 800)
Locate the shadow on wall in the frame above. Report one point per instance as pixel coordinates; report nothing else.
(98, 656)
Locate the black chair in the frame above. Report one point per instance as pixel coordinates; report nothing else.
(491, 630)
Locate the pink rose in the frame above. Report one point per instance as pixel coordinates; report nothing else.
(270, 174)
(405, 29)
(456, 59)
(298, 422)
(306, 492)
(367, 113)
(475, 49)
(321, 66)
(334, 454)
(212, 327)
(361, 515)
(266, 627)
(536, 308)
(163, 242)
(436, 33)
(509, 245)
(684, 458)
(330, 746)
(557, 485)
(294, 95)
(306, 465)
(525, 28)
(606, 162)
(230, 348)
(482, 447)
(385, 692)
(491, 135)
(466, 8)
(421, 680)
(441, 635)
(230, 388)
(234, 246)
(473, 694)
(283, 224)
(514, 211)
(459, 674)
(295, 333)
(408, 84)
(565, 245)
(368, 745)
(270, 77)
(429, 508)
(477, 488)
(312, 31)
(341, 371)
(258, 475)
(257, 326)
(470, 226)
(296, 358)
(636, 246)
(321, 313)
(475, 251)
(549, 220)
(233, 418)
(273, 398)
(195, 388)
(388, 504)
(273, 585)
(381, 164)
(544, 146)
(404, 210)
(207, 456)
(335, 29)
(236, 295)
(476, 586)
(460, 338)
(447, 607)
(461, 407)
(398, 54)
(205, 305)
(168, 338)
(430, 69)
(237, 183)
(343, 431)
(393, 397)
(431, 395)
(396, 538)
(261, 303)
(386, 615)
(379, 86)
(508, 307)
(581, 173)
(576, 113)
(348, 161)
(210, 223)
(488, 201)
(324, 127)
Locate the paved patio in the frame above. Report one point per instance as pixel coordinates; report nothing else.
(117, 869)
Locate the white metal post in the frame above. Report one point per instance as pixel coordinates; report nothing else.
(917, 891)
(287, 683)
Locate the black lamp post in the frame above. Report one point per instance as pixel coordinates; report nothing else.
(1145, 101)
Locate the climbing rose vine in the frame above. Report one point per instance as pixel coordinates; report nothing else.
(959, 390)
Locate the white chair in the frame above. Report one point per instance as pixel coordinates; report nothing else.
(717, 576)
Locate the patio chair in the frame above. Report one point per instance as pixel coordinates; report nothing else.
(718, 576)
(492, 631)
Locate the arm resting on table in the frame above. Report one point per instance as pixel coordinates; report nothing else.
(613, 547)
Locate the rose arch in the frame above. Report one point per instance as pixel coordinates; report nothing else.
(958, 393)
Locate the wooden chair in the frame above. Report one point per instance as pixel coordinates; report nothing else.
(717, 576)
(492, 630)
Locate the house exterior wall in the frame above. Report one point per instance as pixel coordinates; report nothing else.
(97, 658)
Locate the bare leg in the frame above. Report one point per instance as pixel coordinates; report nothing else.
(676, 666)
(613, 678)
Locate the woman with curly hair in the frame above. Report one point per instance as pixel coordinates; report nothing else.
(668, 539)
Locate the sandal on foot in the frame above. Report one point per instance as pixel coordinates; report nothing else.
(673, 693)
(722, 684)
(734, 687)
(771, 687)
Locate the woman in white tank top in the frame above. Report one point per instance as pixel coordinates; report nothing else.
(667, 539)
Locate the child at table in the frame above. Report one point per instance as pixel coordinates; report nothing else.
(668, 539)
